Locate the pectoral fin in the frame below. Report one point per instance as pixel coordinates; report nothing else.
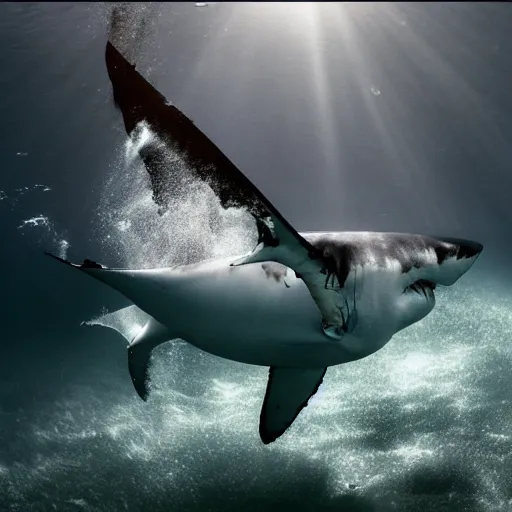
(288, 392)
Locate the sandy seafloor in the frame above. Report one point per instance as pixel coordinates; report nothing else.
(425, 424)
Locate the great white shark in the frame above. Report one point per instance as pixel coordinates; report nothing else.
(298, 303)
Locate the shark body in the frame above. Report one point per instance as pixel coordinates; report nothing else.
(298, 303)
(263, 314)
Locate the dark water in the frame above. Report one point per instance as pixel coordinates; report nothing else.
(360, 116)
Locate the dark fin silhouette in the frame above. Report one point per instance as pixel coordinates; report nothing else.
(139, 101)
(288, 392)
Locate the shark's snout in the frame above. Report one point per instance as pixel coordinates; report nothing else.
(455, 256)
(465, 248)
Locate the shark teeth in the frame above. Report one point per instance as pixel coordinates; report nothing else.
(421, 286)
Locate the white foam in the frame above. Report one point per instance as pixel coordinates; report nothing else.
(195, 226)
(63, 249)
(40, 220)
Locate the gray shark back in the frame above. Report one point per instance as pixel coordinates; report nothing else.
(443, 260)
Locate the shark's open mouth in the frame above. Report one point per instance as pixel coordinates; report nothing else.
(421, 286)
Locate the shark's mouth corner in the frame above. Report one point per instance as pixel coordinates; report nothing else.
(420, 287)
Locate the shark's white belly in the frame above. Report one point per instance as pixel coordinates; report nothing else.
(240, 313)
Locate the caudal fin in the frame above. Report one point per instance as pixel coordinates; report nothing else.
(128, 322)
(143, 334)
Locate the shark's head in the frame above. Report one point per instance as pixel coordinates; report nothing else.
(442, 261)
(387, 281)
(395, 274)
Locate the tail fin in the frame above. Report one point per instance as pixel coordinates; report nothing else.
(143, 333)
(128, 322)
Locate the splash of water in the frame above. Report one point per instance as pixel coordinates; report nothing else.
(14, 196)
(194, 227)
(37, 221)
(50, 234)
(63, 249)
